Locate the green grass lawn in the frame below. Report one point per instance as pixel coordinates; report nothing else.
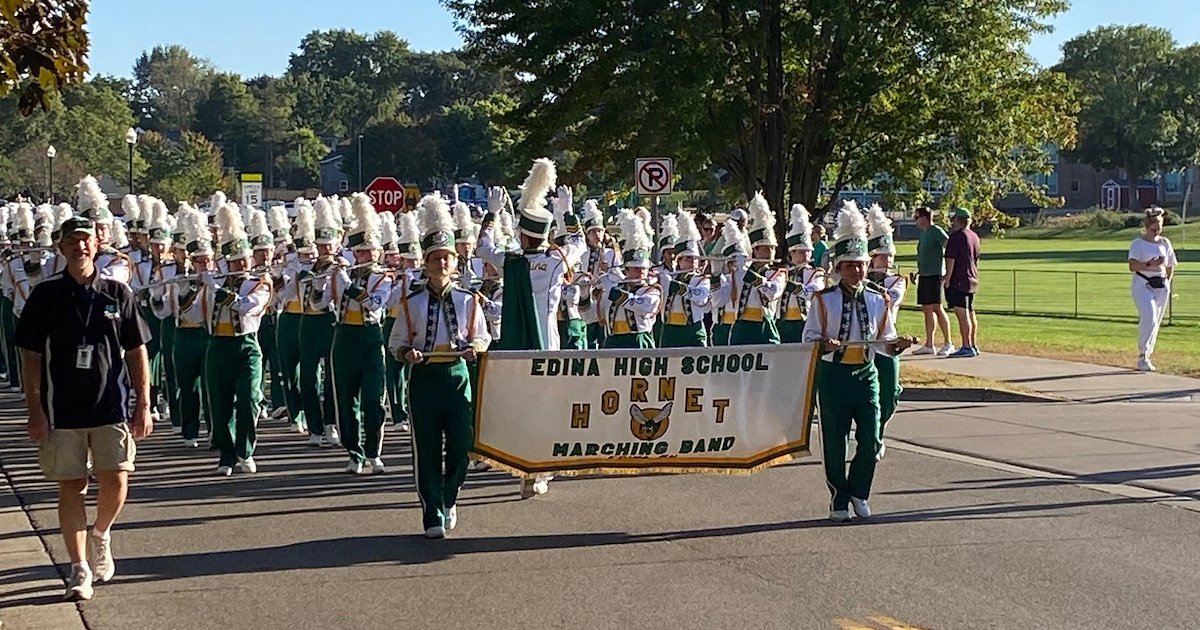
(1052, 271)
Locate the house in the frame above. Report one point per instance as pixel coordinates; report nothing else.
(334, 180)
(1082, 186)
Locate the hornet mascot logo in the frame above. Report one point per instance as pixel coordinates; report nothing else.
(649, 424)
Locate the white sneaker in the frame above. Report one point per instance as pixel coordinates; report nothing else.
(924, 350)
(100, 559)
(263, 414)
(946, 350)
(541, 485)
(332, 437)
(839, 516)
(191, 443)
(224, 471)
(861, 509)
(882, 450)
(377, 468)
(405, 427)
(247, 465)
(79, 587)
(527, 488)
(354, 468)
(1144, 365)
(279, 413)
(452, 517)
(437, 531)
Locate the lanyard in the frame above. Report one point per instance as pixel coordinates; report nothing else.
(86, 320)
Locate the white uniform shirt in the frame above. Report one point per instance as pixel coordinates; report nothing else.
(114, 265)
(637, 305)
(1142, 250)
(243, 315)
(411, 326)
(825, 320)
(370, 308)
(697, 296)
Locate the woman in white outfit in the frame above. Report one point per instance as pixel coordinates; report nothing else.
(1152, 261)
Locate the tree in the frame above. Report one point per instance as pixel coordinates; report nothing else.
(229, 115)
(184, 171)
(797, 98)
(169, 83)
(1123, 75)
(341, 80)
(43, 48)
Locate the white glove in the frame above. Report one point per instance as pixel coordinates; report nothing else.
(564, 201)
(495, 199)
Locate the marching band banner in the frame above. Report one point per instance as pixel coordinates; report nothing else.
(733, 410)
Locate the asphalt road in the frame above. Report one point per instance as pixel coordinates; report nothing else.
(304, 545)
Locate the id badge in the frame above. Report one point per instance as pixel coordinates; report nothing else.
(84, 357)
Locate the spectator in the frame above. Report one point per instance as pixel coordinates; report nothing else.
(819, 247)
(1152, 261)
(931, 271)
(80, 331)
(962, 279)
(708, 233)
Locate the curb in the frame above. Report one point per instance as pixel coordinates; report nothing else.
(970, 395)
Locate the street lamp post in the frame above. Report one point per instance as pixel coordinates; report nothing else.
(50, 153)
(131, 139)
(360, 186)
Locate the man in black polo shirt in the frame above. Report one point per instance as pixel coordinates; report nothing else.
(78, 332)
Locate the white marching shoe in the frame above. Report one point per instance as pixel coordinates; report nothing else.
(435, 532)
(839, 516)
(541, 485)
(452, 517)
(247, 465)
(191, 443)
(332, 437)
(354, 468)
(861, 509)
(377, 467)
(224, 471)
(315, 440)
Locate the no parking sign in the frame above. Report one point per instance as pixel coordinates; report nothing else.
(654, 176)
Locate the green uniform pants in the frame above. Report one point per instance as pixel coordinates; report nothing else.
(154, 351)
(171, 383)
(596, 336)
(572, 334)
(889, 387)
(791, 330)
(720, 334)
(441, 397)
(395, 377)
(191, 345)
(316, 389)
(633, 341)
(8, 322)
(358, 375)
(234, 369)
(848, 394)
(684, 336)
(287, 349)
(748, 333)
(273, 398)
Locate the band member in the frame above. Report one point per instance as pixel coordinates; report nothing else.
(292, 299)
(687, 291)
(734, 249)
(631, 299)
(760, 285)
(466, 234)
(177, 264)
(572, 329)
(93, 204)
(262, 242)
(601, 255)
(17, 283)
(533, 278)
(440, 329)
(804, 279)
(406, 244)
(360, 294)
(316, 327)
(852, 322)
(233, 362)
(191, 327)
(882, 249)
(149, 275)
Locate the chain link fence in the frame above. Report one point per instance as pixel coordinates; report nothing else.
(1103, 295)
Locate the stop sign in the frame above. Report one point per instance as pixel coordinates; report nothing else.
(387, 194)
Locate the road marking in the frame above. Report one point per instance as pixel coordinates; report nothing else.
(1119, 489)
(874, 622)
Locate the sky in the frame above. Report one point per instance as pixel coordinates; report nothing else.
(254, 37)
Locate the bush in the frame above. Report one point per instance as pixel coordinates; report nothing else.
(1135, 220)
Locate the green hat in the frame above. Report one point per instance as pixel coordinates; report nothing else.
(961, 213)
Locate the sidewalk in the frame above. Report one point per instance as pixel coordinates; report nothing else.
(1109, 426)
(1079, 382)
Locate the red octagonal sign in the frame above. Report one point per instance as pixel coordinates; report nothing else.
(387, 194)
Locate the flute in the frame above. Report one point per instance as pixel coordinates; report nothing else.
(336, 268)
(189, 277)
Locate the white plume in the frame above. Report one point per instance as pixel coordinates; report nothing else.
(800, 223)
(435, 215)
(120, 235)
(633, 231)
(850, 223)
(541, 180)
(90, 195)
(591, 212)
(229, 223)
(687, 227)
(878, 222)
(761, 215)
(305, 223)
(387, 228)
(132, 208)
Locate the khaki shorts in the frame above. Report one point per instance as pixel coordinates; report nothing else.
(64, 456)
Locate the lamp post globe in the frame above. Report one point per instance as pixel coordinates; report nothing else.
(131, 139)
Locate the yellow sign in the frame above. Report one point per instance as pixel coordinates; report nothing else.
(412, 195)
(252, 177)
